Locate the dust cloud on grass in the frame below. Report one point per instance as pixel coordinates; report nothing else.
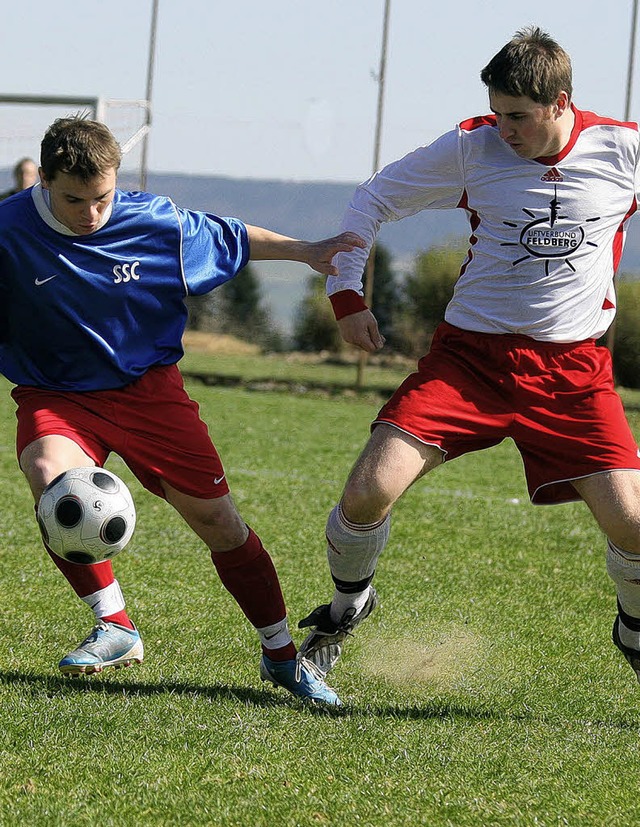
(454, 656)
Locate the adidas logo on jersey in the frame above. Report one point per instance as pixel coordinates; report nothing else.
(552, 175)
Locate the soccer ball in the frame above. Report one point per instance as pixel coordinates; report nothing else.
(86, 515)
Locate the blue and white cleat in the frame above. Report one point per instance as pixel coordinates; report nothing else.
(109, 644)
(300, 677)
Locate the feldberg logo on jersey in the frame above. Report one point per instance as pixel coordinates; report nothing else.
(550, 237)
(86, 515)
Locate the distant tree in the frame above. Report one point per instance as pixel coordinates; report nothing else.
(241, 301)
(236, 308)
(428, 288)
(315, 327)
(243, 313)
(386, 300)
(626, 350)
(201, 313)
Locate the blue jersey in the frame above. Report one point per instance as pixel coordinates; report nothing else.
(92, 312)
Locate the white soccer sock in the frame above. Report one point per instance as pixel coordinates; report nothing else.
(106, 601)
(353, 551)
(342, 602)
(624, 569)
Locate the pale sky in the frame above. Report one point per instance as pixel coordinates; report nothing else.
(287, 89)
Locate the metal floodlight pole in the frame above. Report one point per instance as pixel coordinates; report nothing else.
(611, 333)
(150, 68)
(370, 268)
(632, 55)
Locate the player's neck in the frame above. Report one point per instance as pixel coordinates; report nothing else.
(566, 123)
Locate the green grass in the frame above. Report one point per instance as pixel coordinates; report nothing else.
(484, 690)
(630, 397)
(297, 369)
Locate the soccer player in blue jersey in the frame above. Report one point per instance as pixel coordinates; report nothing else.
(92, 287)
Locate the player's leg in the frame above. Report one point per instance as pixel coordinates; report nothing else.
(614, 500)
(168, 447)
(358, 528)
(247, 572)
(357, 532)
(572, 436)
(114, 641)
(243, 564)
(453, 403)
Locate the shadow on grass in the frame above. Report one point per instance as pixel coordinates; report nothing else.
(272, 699)
(58, 684)
(433, 709)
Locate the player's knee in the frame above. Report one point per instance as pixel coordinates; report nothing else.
(216, 522)
(222, 537)
(625, 532)
(40, 471)
(364, 502)
(627, 539)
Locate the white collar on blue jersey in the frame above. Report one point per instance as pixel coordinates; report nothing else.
(42, 201)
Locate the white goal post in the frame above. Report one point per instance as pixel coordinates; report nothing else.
(25, 118)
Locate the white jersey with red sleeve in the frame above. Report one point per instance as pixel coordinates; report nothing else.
(546, 235)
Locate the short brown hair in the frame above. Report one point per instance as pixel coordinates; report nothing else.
(78, 147)
(530, 64)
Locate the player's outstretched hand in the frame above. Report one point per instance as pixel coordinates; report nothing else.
(320, 253)
(361, 329)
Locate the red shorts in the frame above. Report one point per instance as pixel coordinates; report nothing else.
(556, 401)
(152, 424)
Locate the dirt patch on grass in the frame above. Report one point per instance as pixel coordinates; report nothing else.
(409, 661)
(199, 342)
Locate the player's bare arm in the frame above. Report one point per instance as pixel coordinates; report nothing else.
(361, 329)
(267, 245)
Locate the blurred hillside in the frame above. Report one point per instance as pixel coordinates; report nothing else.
(306, 209)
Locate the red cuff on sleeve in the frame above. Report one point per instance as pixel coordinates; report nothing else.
(346, 302)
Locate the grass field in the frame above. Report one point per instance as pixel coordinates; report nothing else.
(484, 690)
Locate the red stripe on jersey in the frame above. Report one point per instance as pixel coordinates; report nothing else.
(474, 221)
(481, 120)
(552, 160)
(619, 237)
(583, 120)
(591, 119)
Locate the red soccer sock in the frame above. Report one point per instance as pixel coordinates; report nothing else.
(248, 573)
(82, 578)
(287, 652)
(85, 580)
(121, 618)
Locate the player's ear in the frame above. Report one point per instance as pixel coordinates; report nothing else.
(562, 103)
(43, 178)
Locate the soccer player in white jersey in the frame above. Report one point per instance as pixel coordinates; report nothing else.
(92, 287)
(548, 190)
